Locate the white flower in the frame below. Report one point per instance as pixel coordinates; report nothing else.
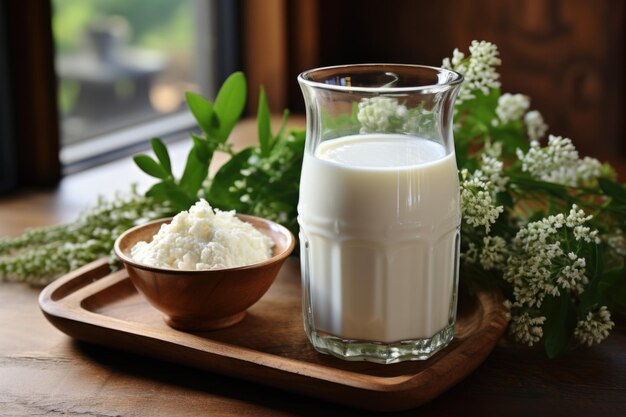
(478, 69)
(536, 128)
(494, 253)
(538, 265)
(558, 162)
(481, 69)
(576, 220)
(573, 276)
(455, 62)
(493, 149)
(617, 242)
(457, 57)
(490, 171)
(527, 329)
(595, 327)
(531, 277)
(377, 113)
(420, 122)
(512, 107)
(478, 192)
(471, 254)
(588, 169)
(477, 204)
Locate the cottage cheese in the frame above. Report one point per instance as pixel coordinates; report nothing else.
(204, 239)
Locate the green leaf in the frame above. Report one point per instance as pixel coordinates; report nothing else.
(196, 171)
(559, 325)
(220, 194)
(160, 150)
(526, 182)
(203, 148)
(229, 103)
(505, 198)
(299, 137)
(283, 127)
(204, 114)
(536, 216)
(613, 189)
(168, 191)
(593, 292)
(264, 124)
(611, 291)
(482, 107)
(512, 136)
(150, 166)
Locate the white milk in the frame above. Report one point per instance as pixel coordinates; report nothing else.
(379, 217)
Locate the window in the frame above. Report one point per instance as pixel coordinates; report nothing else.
(123, 67)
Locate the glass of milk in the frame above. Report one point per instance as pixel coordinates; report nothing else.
(379, 211)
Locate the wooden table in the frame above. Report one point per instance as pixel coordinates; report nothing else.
(43, 372)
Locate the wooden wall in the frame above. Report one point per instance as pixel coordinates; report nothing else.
(567, 55)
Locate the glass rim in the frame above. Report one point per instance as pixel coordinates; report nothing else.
(456, 79)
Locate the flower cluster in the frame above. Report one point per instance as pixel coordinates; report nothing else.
(376, 114)
(40, 255)
(617, 242)
(478, 193)
(527, 329)
(595, 327)
(387, 115)
(490, 172)
(558, 162)
(477, 204)
(577, 220)
(478, 69)
(539, 266)
(492, 254)
(512, 107)
(420, 122)
(536, 128)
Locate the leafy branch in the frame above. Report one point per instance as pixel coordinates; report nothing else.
(216, 121)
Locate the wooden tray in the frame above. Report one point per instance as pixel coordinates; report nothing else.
(269, 346)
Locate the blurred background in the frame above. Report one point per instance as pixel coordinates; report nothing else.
(122, 62)
(83, 82)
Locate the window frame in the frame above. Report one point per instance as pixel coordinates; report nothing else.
(221, 59)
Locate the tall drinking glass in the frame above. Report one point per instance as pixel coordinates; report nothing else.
(379, 211)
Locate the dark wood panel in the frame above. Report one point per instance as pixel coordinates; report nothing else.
(35, 129)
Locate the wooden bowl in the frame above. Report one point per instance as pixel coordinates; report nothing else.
(206, 299)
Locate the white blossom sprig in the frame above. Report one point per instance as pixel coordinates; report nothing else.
(595, 327)
(541, 253)
(477, 203)
(40, 255)
(512, 107)
(541, 266)
(558, 162)
(377, 114)
(478, 69)
(527, 329)
(536, 127)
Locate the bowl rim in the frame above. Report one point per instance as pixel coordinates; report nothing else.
(278, 257)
